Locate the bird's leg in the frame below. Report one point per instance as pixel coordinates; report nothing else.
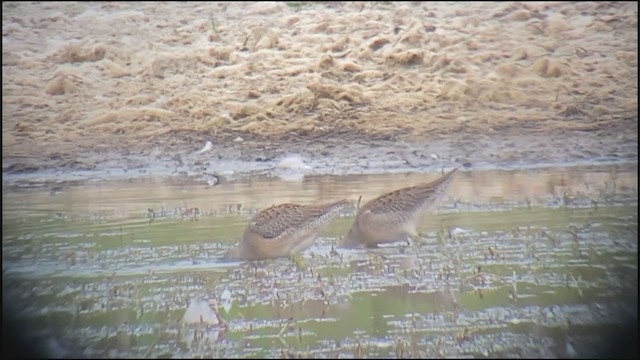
(412, 237)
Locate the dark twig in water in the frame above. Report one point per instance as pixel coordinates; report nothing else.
(409, 162)
(359, 199)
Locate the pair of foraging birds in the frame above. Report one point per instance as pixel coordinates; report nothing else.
(286, 229)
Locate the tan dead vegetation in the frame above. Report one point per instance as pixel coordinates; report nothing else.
(409, 57)
(351, 94)
(74, 53)
(547, 67)
(128, 115)
(113, 70)
(408, 69)
(61, 85)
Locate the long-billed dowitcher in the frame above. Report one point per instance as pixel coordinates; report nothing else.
(394, 216)
(284, 230)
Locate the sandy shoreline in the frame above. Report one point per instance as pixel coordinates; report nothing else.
(358, 156)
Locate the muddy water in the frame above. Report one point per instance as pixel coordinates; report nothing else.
(541, 262)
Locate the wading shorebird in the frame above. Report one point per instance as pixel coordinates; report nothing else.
(284, 230)
(395, 216)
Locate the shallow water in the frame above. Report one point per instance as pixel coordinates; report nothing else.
(541, 262)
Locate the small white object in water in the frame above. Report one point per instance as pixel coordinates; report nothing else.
(238, 139)
(198, 312)
(291, 176)
(292, 168)
(293, 162)
(208, 146)
(212, 179)
(434, 156)
(457, 231)
(225, 300)
(571, 352)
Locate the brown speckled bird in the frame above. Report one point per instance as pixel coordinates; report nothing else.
(284, 230)
(395, 216)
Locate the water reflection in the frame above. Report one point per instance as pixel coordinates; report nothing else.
(133, 198)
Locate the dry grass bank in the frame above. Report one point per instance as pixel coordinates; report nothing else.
(80, 76)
